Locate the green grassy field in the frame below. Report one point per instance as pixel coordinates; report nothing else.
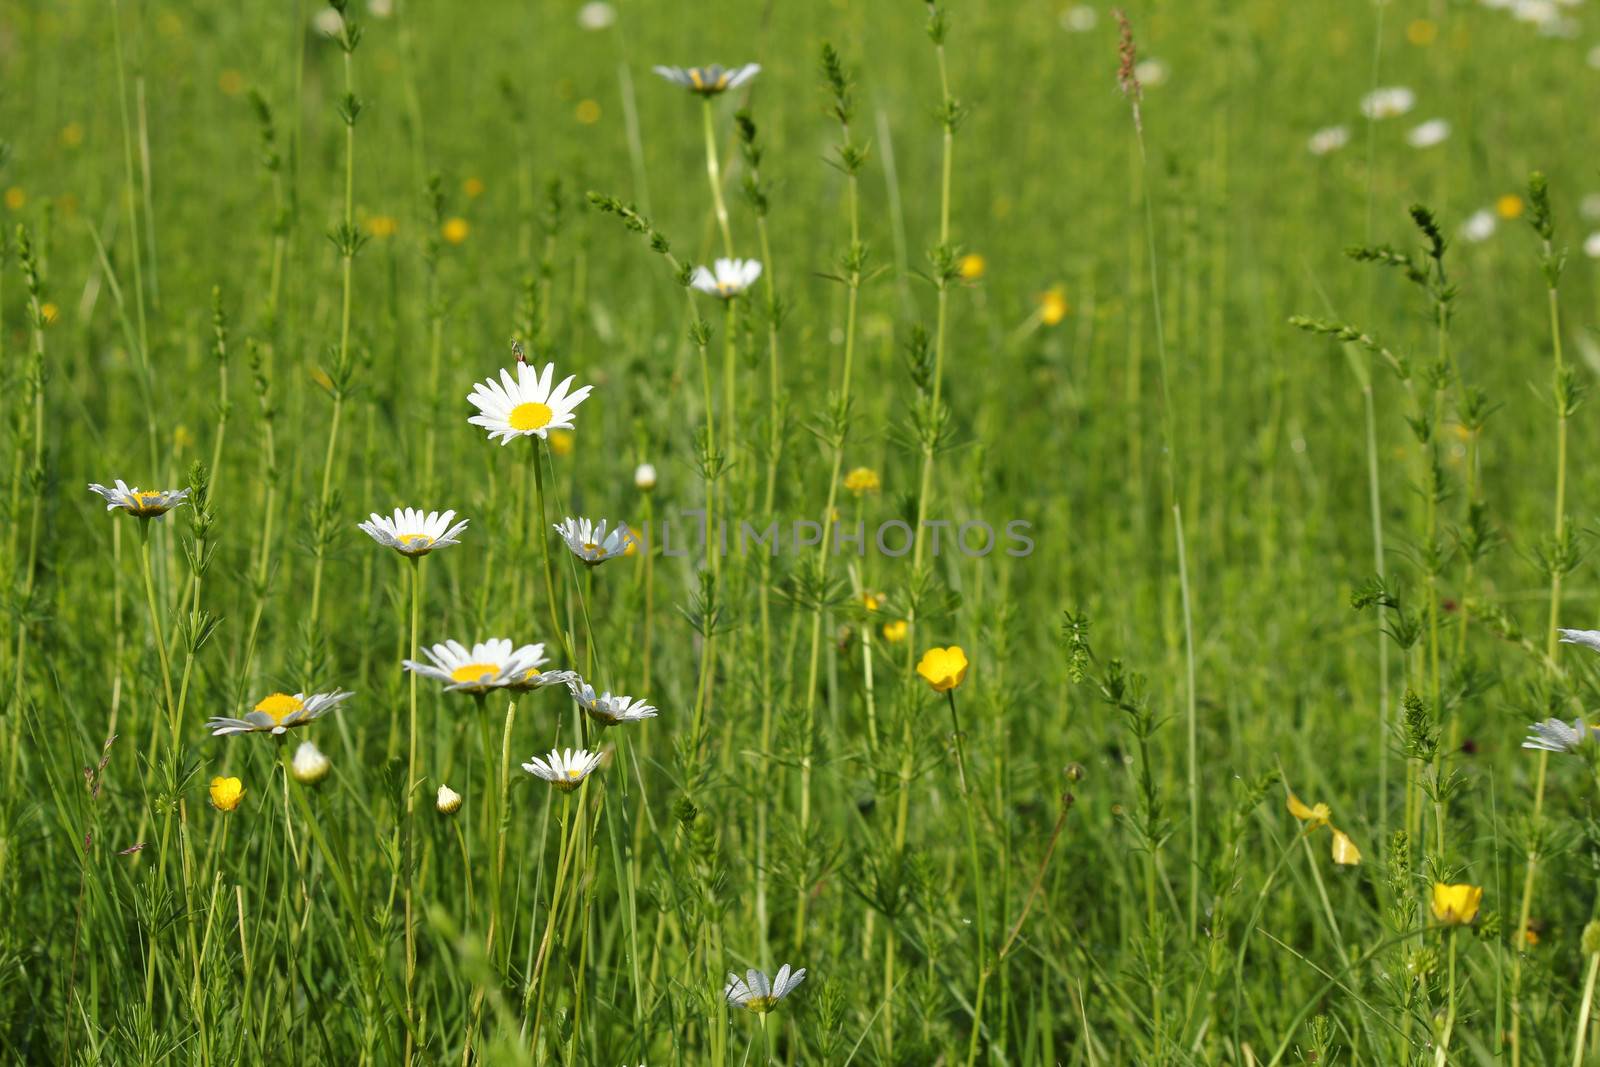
(1271, 403)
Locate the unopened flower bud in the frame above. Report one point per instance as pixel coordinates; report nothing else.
(1591, 938)
(310, 766)
(449, 801)
(644, 477)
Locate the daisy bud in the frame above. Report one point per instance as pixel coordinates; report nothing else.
(449, 801)
(310, 765)
(644, 477)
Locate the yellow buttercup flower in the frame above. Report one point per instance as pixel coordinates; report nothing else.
(1316, 816)
(871, 601)
(863, 480)
(895, 632)
(1509, 206)
(16, 198)
(587, 112)
(382, 226)
(561, 442)
(943, 668)
(1053, 305)
(72, 134)
(49, 312)
(231, 82)
(1422, 32)
(972, 266)
(1456, 905)
(455, 230)
(182, 438)
(226, 793)
(473, 187)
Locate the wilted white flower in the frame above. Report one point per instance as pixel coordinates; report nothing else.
(411, 532)
(310, 766)
(644, 477)
(140, 503)
(1591, 245)
(1479, 226)
(608, 710)
(1427, 134)
(597, 15)
(754, 992)
(564, 770)
(591, 542)
(1553, 735)
(448, 801)
(527, 405)
(727, 278)
(1328, 139)
(279, 713)
(1079, 19)
(1151, 73)
(1388, 102)
(709, 81)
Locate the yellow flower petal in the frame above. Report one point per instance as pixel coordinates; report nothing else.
(943, 668)
(1456, 905)
(1344, 849)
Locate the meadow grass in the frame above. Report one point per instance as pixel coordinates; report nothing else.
(1273, 402)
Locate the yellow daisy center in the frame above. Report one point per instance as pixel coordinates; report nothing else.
(530, 416)
(574, 774)
(590, 546)
(279, 705)
(475, 672)
(413, 538)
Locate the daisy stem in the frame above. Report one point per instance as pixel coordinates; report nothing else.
(729, 388)
(714, 175)
(544, 551)
(534, 998)
(418, 564)
(1581, 1030)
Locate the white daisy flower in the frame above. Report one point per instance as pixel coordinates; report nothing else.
(564, 770)
(413, 533)
(727, 278)
(1553, 735)
(754, 992)
(280, 713)
(591, 542)
(1328, 139)
(608, 710)
(709, 81)
(527, 405)
(1591, 245)
(492, 664)
(597, 15)
(310, 765)
(1151, 73)
(1479, 226)
(1079, 19)
(1388, 102)
(1586, 638)
(142, 503)
(1428, 134)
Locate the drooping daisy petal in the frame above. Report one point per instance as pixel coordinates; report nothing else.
(591, 541)
(709, 81)
(1553, 735)
(279, 713)
(756, 992)
(141, 503)
(605, 709)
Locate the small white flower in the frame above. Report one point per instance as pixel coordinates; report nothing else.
(1388, 102)
(1479, 226)
(1328, 139)
(591, 542)
(1151, 73)
(1586, 638)
(564, 770)
(492, 664)
(644, 477)
(413, 533)
(526, 406)
(310, 766)
(1553, 735)
(1591, 245)
(608, 710)
(727, 278)
(709, 81)
(448, 801)
(1079, 19)
(142, 503)
(1428, 134)
(1537, 12)
(597, 15)
(380, 9)
(328, 22)
(279, 713)
(754, 992)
